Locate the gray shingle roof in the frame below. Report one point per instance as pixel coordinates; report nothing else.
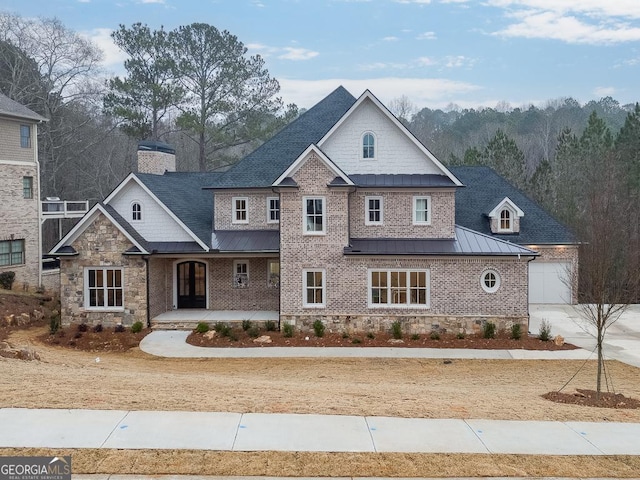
(484, 189)
(183, 194)
(402, 180)
(126, 226)
(467, 242)
(11, 108)
(265, 164)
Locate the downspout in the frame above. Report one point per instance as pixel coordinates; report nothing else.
(531, 259)
(35, 155)
(146, 263)
(275, 190)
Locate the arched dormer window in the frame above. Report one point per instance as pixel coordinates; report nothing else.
(505, 220)
(136, 212)
(368, 146)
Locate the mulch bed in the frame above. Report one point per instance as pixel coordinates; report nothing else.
(106, 340)
(588, 398)
(240, 338)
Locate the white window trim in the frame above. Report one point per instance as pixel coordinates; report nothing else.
(234, 210)
(496, 287)
(375, 146)
(367, 221)
(269, 283)
(304, 288)
(235, 279)
(324, 215)
(141, 211)
(269, 210)
(415, 209)
(512, 215)
(85, 289)
(399, 305)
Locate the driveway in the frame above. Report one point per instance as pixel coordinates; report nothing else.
(622, 340)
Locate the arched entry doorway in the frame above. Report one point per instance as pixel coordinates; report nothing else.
(191, 277)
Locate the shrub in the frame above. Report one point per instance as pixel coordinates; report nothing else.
(318, 328)
(219, 326)
(356, 341)
(435, 335)
(225, 331)
(77, 335)
(246, 325)
(489, 330)
(396, 330)
(97, 328)
(545, 330)
(232, 336)
(6, 280)
(371, 335)
(516, 331)
(136, 327)
(270, 326)
(287, 330)
(54, 324)
(202, 327)
(119, 328)
(460, 336)
(82, 327)
(345, 334)
(253, 332)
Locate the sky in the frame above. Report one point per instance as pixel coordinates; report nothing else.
(437, 53)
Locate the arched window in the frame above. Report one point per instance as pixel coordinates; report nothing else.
(505, 220)
(368, 145)
(490, 281)
(136, 212)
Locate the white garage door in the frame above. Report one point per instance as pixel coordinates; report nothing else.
(548, 282)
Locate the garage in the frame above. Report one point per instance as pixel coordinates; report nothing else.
(548, 282)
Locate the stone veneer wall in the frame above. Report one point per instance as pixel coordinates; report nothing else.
(398, 215)
(102, 245)
(457, 300)
(19, 217)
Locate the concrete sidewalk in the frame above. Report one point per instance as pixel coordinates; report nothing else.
(117, 429)
(172, 343)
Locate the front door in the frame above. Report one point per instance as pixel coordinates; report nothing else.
(192, 285)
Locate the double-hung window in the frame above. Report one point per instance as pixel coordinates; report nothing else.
(273, 274)
(314, 288)
(240, 273)
(314, 215)
(422, 210)
(11, 252)
(103, 288)
(368, 146)
(25, 136)
(240, 210)
(373, 211)
(505, 220)
(273, 210)
(27, 187)
(399, 288)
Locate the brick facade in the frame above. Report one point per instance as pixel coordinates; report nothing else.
(151, 161)
(102, 245)
(256, 210)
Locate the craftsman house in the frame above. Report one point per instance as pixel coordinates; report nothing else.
(20, 248)
(343, 216)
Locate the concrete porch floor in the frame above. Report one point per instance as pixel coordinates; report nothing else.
(189, 318)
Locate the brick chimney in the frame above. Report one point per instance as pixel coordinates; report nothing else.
(156, 157)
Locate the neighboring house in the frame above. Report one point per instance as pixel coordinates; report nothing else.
(343, 216)
(20, 246)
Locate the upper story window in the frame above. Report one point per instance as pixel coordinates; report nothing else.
(506, 224)
(314, 215)
(11, 252)
(103, 288)
(25, 136)
(27, 187)
(368, 145)
(373, 211)
(273, 210)
(136, 212)
(240, 273)
(240, 210)
(422, 210)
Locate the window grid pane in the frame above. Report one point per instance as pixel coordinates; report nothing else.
(314, 288)
(315, 215)
(274, 209)
(422, 209)
(104, 288)
(27, 187)
(399, 287)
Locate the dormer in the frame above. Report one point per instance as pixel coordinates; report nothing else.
(505, 217)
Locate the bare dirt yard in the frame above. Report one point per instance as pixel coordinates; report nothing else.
(493, 389)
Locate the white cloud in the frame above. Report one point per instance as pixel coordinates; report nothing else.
(572, 21)
(418, 2)
(390, 39)
(604, 91)
(432, 92)
(458, 61)
(425, 61)
(297, 54)
(152, 1)
(113, 57)
(426, 36)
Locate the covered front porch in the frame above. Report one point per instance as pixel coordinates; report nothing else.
(187, 319)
